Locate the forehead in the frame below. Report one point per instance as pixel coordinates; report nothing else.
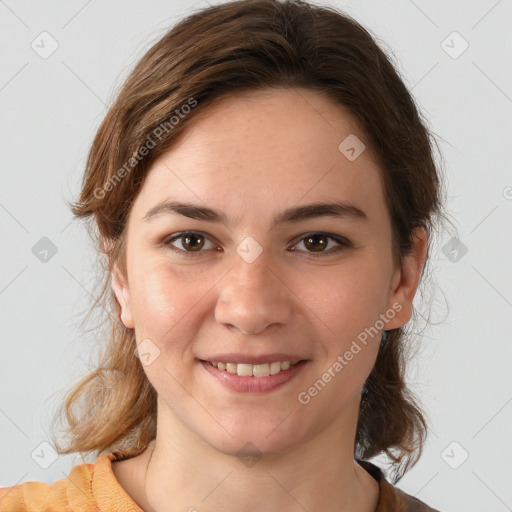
(263, 151)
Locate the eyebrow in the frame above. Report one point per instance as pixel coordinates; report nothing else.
(340, 210)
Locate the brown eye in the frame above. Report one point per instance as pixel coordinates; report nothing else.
(192, 242)
(189, 243)
(322, 244)
(315, 243)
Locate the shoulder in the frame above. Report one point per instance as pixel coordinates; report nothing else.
(88, 487)
(392, 499)
(40, 496)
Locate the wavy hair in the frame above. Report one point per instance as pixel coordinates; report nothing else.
(223, 50)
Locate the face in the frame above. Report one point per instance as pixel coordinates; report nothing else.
(251, 273)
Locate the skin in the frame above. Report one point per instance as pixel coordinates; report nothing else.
(251, 157)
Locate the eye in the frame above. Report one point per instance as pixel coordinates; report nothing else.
(188, 242)
(320, 244)
(317, 244)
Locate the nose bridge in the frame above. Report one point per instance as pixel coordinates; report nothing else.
(252, 297)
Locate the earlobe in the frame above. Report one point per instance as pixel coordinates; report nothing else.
(122, 294)
(406, 285)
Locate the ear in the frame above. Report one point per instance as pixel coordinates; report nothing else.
(406, 280)
(122, 292)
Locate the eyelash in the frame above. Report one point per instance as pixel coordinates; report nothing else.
(343, 243)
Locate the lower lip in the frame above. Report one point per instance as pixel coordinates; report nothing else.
(253, 384)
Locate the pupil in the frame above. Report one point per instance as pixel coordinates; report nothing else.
(319, 245)
(193, 242)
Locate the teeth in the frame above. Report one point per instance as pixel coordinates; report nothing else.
(244, 370)
(275, 368)
(260, 370)
(255, 370)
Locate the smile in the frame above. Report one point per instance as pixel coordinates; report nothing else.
(253, 378)
(254, 370)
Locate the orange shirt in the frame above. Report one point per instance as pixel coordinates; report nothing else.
(94, 488)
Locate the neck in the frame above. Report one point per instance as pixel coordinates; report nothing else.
(185, 473)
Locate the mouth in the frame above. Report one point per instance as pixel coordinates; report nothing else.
(254, 370)
(254, 378)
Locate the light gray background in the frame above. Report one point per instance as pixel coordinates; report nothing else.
(50, 109)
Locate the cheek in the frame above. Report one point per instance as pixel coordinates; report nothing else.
(156, 305)
(350, 304)
(163, 301)
(155, 299)
(350, 300)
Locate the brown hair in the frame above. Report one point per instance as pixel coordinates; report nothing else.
(227, 49)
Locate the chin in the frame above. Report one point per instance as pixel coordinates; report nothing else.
(255, 442)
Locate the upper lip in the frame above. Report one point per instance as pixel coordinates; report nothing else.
(253, 359)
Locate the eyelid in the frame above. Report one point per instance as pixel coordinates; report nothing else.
(342, 242)
(337, 238)
(167, 241)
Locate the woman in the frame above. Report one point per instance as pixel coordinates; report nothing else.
(264, 192)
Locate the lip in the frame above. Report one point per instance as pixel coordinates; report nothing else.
(252, 359)
(242, 384)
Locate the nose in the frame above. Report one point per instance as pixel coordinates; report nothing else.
(254, 297)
